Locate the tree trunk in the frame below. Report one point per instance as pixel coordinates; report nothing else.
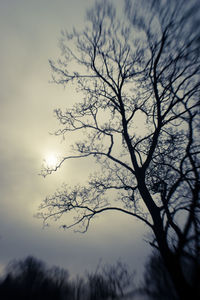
(183, 289)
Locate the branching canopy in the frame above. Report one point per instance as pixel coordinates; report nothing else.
(138, 119)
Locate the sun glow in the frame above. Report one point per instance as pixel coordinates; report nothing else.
(51, 160)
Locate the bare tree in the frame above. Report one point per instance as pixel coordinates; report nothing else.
(30, 279)
(110, 282)
(79, 289)
(139, 120)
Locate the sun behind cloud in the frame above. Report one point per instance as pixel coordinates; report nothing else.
(51, 160)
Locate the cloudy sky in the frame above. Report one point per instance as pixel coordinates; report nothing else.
(29, 33)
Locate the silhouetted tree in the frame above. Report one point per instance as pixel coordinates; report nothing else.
(157, 283)
(30, 279)
(79, 289)
(139, 120)
(120, 279)
(111, 282)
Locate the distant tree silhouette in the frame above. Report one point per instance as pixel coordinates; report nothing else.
(111, 282)
(30, 279)
(139, 120)
(80, 291)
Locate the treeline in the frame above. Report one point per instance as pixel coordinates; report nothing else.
(31, 279)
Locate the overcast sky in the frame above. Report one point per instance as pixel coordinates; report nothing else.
(29, 33)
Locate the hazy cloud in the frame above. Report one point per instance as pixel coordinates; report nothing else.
(29, 32)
